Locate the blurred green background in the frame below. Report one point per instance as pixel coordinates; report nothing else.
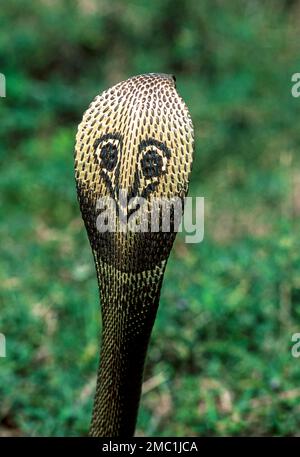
(220, 358)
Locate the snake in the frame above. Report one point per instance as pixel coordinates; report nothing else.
(134, 147)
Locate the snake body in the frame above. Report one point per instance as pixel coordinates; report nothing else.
(135, 138)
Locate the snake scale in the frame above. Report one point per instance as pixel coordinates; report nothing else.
(135, 140)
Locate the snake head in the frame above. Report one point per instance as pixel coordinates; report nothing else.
(134, 149)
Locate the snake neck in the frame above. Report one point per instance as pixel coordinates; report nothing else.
(129, 303)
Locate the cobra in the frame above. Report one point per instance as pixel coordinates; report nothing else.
(136, 137)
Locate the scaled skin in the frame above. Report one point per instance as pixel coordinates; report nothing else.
(135, 138)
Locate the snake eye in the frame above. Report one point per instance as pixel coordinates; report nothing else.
(107, 150)
(109, 156)
(152, 164)
(154, 159)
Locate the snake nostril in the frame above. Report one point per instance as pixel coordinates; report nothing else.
(152, 164)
